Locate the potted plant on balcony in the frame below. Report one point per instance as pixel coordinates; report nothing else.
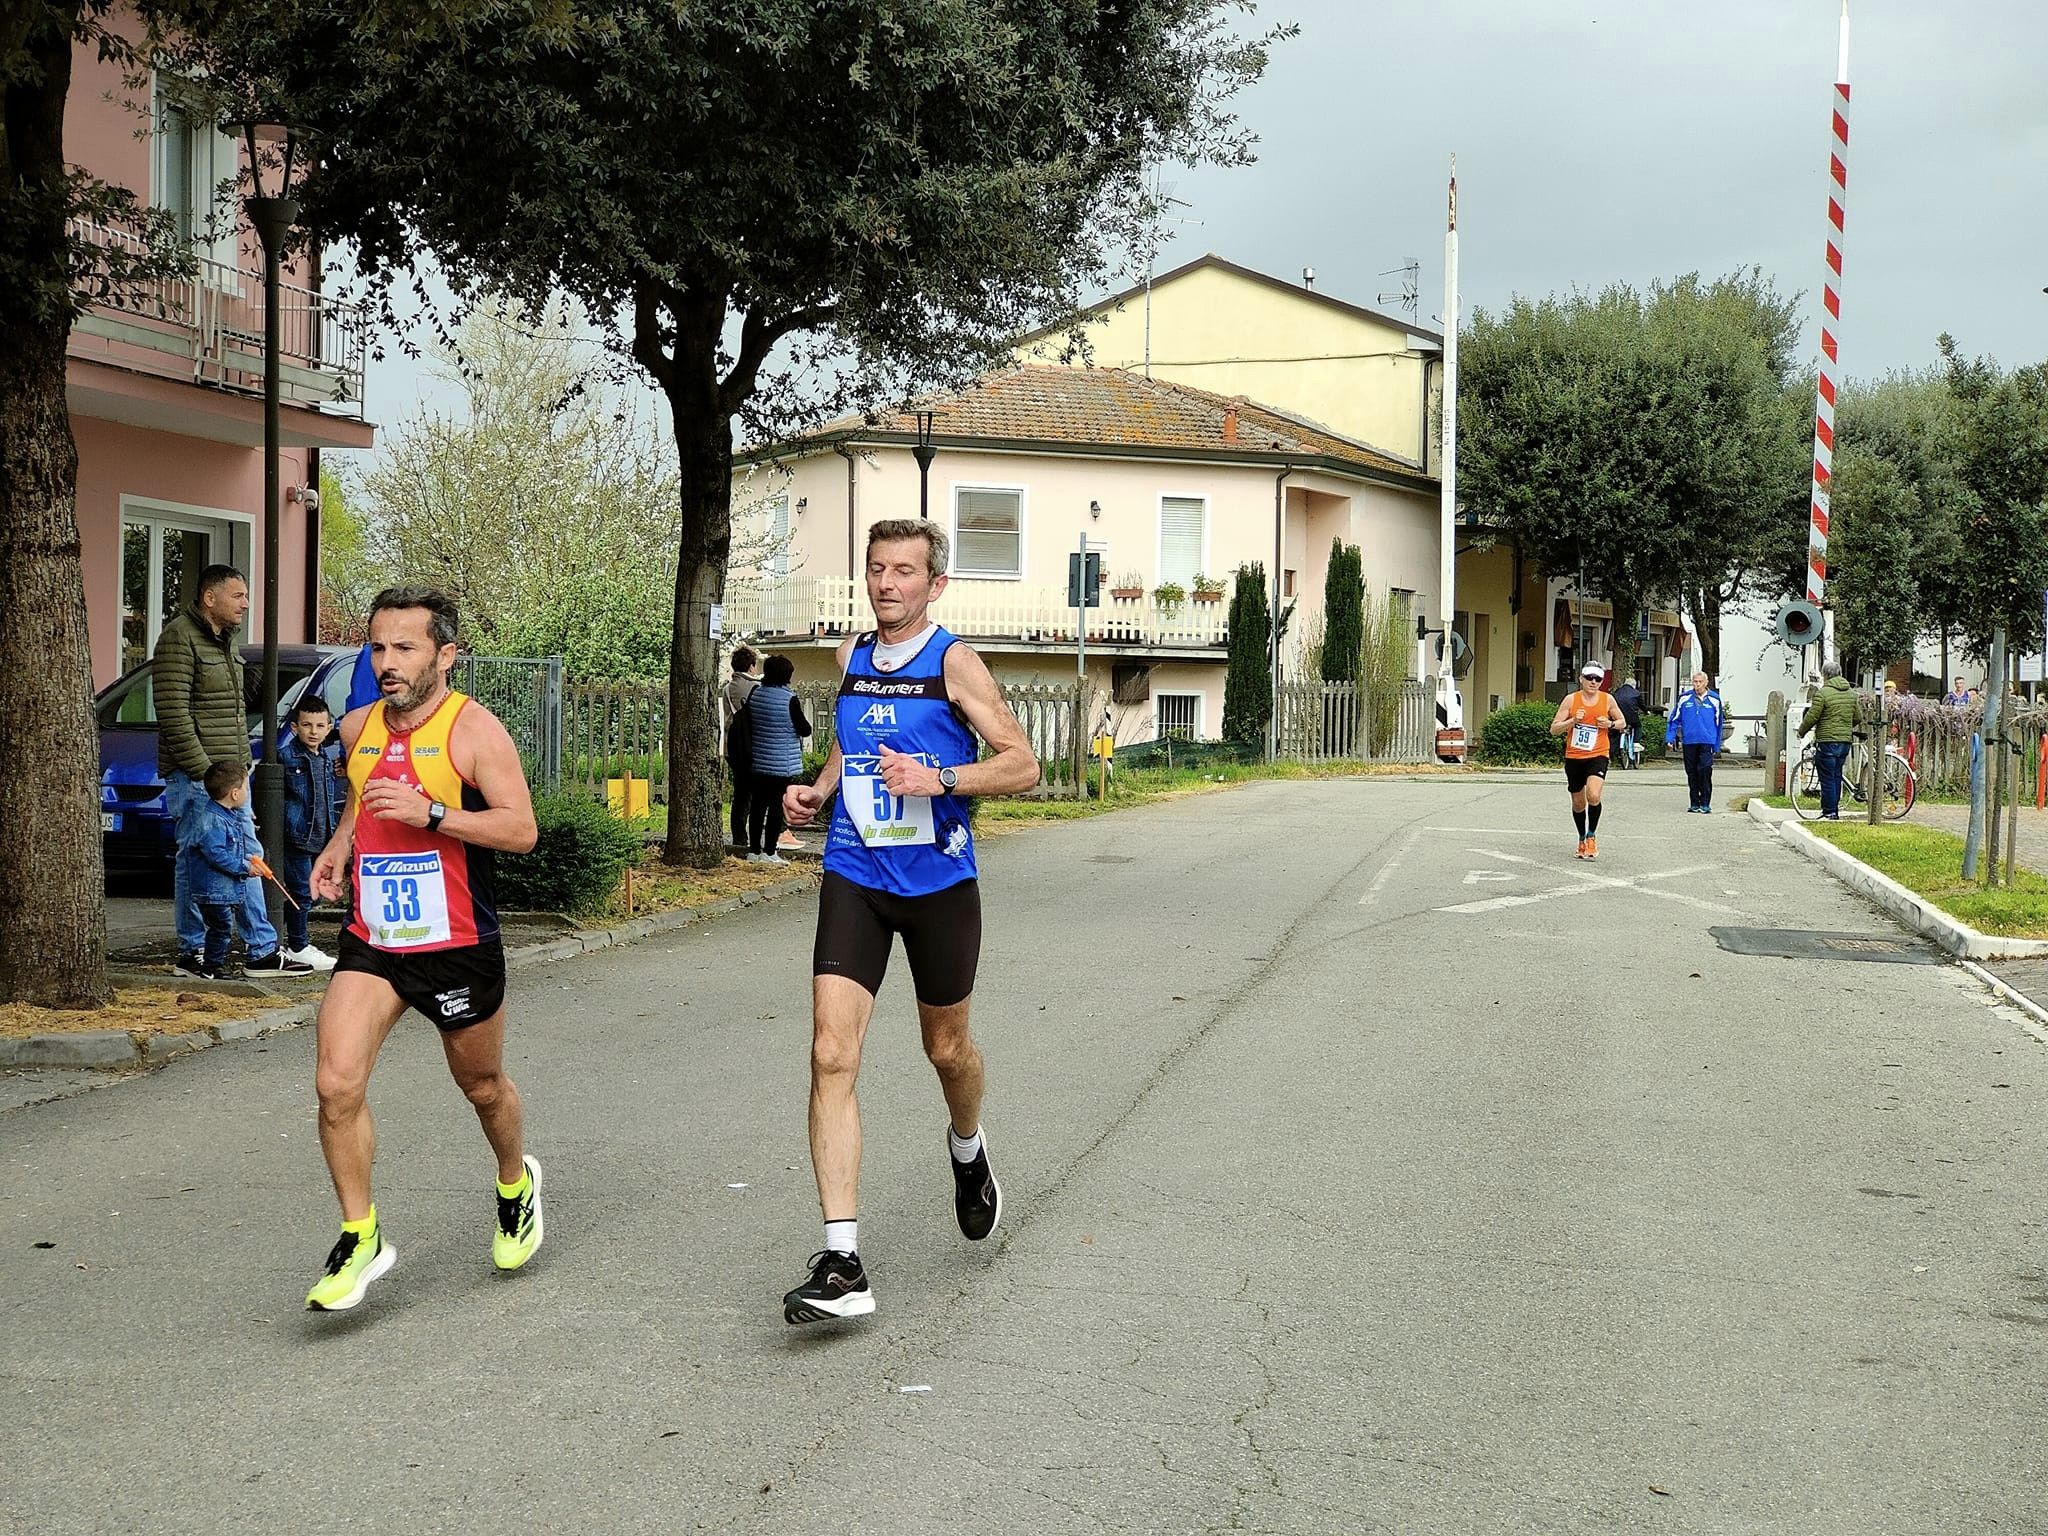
(1130, 586)
(1169, 595)
(1208, 589)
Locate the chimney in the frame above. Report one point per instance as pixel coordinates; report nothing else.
(1230, 422)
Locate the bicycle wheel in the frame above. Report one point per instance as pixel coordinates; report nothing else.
(1803, 784)
(1901, 786)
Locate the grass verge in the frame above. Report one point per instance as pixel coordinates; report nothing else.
(1929, 864)
(145, 1010)
(659, 887)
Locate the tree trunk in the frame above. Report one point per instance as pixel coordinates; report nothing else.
(1706, 615)
(53, 925)
(696, 831)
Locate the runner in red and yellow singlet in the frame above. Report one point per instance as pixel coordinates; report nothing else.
(1584, 719)
(435, 789)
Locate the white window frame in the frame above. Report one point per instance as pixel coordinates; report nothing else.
(1200, 726)
(1159, 535)
(220, 253)
(1023, 495)
(240, 553)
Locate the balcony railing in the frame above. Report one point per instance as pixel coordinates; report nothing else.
(982, 610)
(209, 326)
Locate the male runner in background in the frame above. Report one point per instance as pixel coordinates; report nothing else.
(435, 786)
(1584, 719)
(899, 859)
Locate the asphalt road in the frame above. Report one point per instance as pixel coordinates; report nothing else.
(1370, 1165)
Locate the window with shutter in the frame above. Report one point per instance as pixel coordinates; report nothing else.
(778, 538)
(1183, 529)
(988, 531)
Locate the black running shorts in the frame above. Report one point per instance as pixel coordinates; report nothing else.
(453, 987)
(1579, 769)
(941, 937)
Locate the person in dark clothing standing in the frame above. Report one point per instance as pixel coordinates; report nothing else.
(1629, 700)
(739, 758)
(776, 727)
(202, 719)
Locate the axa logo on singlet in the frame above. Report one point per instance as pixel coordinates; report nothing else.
(879, 714)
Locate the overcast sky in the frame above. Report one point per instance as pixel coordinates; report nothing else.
(1603, 140)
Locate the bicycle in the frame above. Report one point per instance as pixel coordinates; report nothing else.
(1901, 783)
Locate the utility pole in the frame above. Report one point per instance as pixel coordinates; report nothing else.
(1830, 346)
(1450, 713)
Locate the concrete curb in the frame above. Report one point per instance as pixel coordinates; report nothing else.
(112, 1049)
(1922, 916)
(2036, 1017)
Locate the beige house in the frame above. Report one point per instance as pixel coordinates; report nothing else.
(1175, 487)
(1377, 380)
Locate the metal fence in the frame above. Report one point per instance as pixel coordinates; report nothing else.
(608, 729)
(526, 693)
(1345, 722)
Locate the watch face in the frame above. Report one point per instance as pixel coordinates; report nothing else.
(948, 777)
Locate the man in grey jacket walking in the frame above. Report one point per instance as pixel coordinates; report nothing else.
(202, 720)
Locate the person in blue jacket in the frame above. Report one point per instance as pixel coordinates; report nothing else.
(1695, 726)
(222, 871)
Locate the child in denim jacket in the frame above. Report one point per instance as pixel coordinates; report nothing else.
(225, 847)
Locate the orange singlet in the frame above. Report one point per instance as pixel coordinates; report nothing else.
(1587, 736)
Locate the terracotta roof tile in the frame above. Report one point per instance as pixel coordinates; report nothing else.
(1109, 408)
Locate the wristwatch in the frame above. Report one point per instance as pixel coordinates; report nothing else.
(949, 780)
(435, 812)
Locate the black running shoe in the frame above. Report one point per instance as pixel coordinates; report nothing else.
(278, 963)
(977, 1197)
(190, 963)
(838, 1287)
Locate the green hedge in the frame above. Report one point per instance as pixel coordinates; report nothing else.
(1520, 733)
(576, 865)
(1651, 734)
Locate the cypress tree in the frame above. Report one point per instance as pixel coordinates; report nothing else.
(1343, 613)
(1248, 686)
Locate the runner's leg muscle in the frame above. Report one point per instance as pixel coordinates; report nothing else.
(356, 1017)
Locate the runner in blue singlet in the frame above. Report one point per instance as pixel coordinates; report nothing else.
(914, 705)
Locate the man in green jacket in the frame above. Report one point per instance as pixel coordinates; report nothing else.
(202, 720)
(1831, 716)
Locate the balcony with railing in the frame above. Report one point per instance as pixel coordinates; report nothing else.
(1003, 614)
(207, 326)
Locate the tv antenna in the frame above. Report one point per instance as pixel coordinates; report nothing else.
(1164, 202)
(1410, 296)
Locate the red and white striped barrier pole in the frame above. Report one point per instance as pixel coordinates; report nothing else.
(1830, 326)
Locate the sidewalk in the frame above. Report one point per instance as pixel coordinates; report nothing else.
(2031, 842)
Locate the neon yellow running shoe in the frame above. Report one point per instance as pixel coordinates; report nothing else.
(351, 1265)
(519, 1222)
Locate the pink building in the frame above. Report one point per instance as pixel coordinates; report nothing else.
(166, 391)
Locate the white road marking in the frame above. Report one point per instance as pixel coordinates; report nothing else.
(1587, 880)
(1379, 881)
(1488, 876)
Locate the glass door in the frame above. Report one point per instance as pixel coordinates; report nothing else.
(161, 558)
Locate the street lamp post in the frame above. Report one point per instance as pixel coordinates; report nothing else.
(924, 453)
(272, 217)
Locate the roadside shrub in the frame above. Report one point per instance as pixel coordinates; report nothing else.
(576, 865)
(1651, 734)
(1519, 733)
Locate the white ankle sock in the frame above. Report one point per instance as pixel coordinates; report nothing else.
(842, 1236)
(964, 1151)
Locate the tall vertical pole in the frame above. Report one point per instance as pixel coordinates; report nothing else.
(1449, 714)
(273, 218)
(1830, 325)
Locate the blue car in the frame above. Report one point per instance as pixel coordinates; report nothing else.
(136, 834)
